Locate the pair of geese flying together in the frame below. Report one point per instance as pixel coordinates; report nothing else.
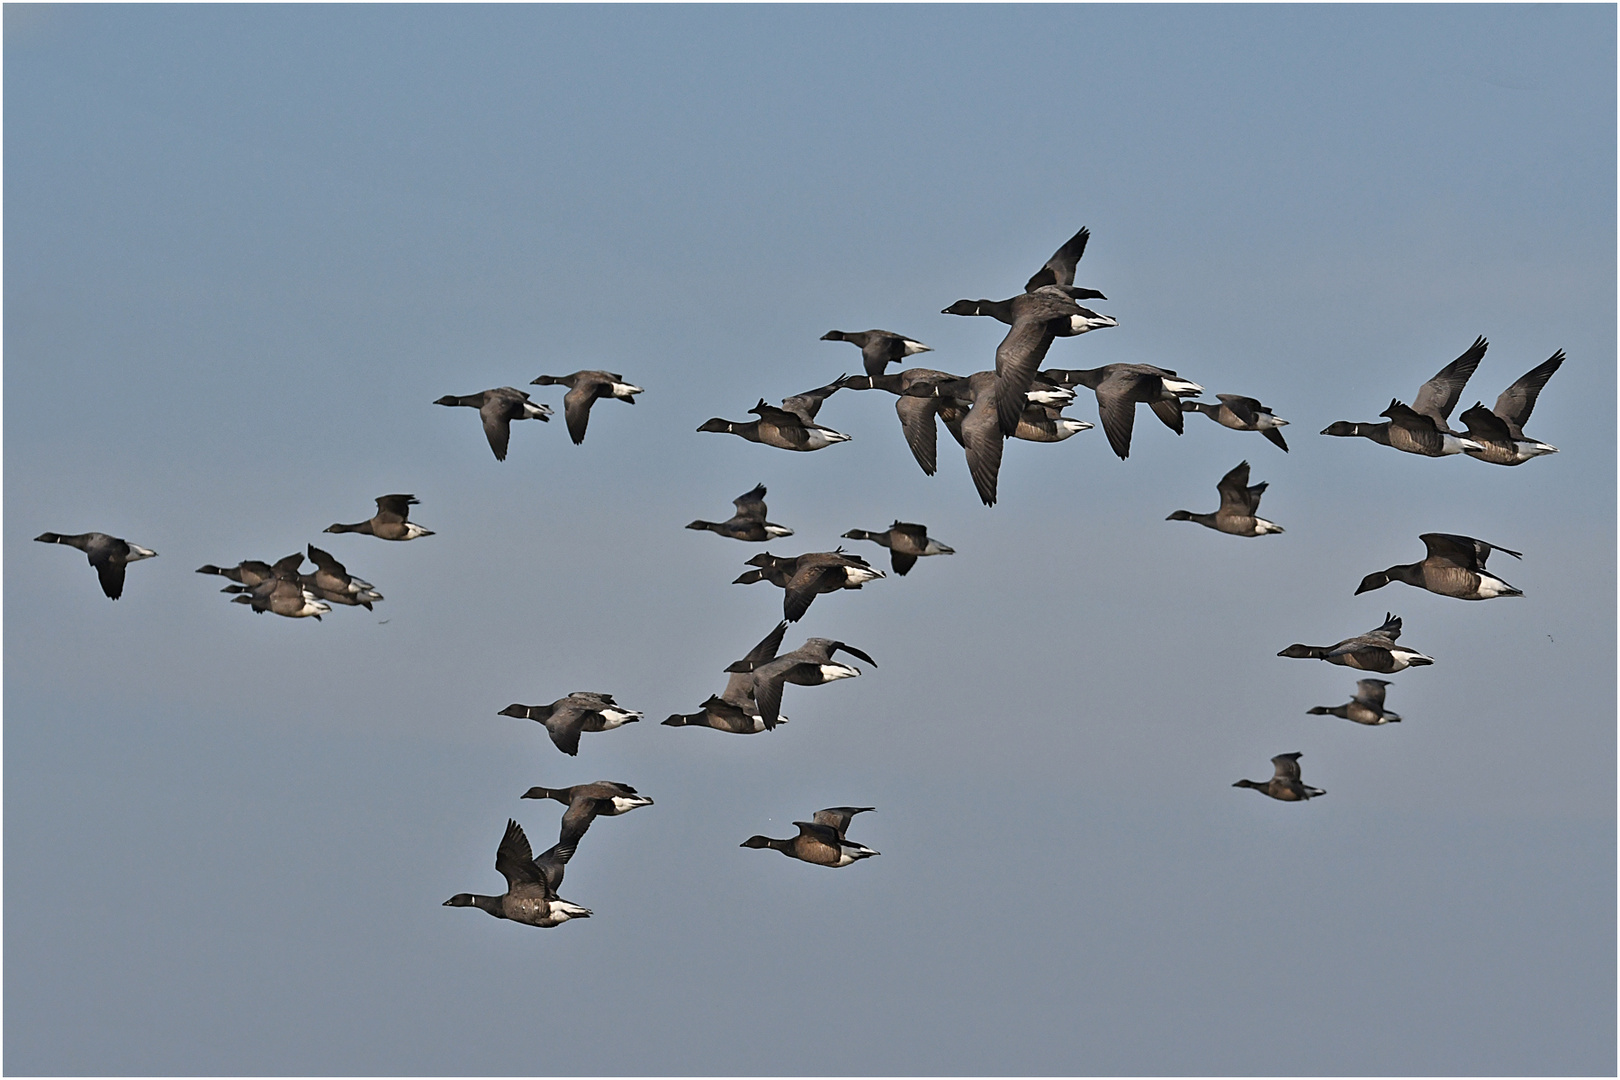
(1495, 435)
(504, 404)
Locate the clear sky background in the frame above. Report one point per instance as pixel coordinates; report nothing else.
(247, 247)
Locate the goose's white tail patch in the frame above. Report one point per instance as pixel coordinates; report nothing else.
(832, 672)
(915, 347)
(1182, 387)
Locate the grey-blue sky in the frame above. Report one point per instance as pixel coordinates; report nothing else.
(246, 247)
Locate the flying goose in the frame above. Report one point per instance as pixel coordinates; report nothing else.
(586, 802)
(907, 542)
(1241, 414)
(1423, 427)
(1285, 785)
(498, 408)
(879, 348)
(821, 841)
(566, 717)
(1120, 386)
(1373, 651)
(811, 664)
(584, 388)
(333, 583)
(1036, 319)
(805, 576)
(1367, 707)
(1499, 431)
(108, 554)
(748, 523)
(792, 427)
(1455, 566)
(734, 710)
(1239, 505)
(531, 884)
(391, 522)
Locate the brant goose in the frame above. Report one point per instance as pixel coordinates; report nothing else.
(391, 520)
(108, 554)
(1119, 387)
(791, 428)
(333, 583)
(1455, 566)
(811, 664)
(585, 802)
(531, 884)
(1241, 414)
(1373, 651)
(282, 593)
(1500, 430)
(907, 542)
(1036, 318)
(1239, 503)
(584, 388)
(1422, 427)
(734, 710)
(498, 408)
(821, 841)
(748, 523)
(1285, 784)
(566, 717)
(804, 577)
(879, 348)
(1367, 707)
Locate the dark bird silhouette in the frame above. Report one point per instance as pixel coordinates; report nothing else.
(1285, 784)
(585, 388)
(1455, 566)
(108, 554)
(531, 884)
(748, 523)
(1499, 431)
(391, 522)
(498, 408)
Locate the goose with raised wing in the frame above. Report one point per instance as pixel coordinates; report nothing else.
(1240, 503)
(811, 664)
(1424, 426)
(1373, 651)
(1284, 784)
(791, 427)
(1499, 430)
(390, 522)
(734, 709)
(332, 582)
(748, 523)
(821, 841)
(531, 884)
(1366, 707)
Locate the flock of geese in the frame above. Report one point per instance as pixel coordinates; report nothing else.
(1016, 399)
